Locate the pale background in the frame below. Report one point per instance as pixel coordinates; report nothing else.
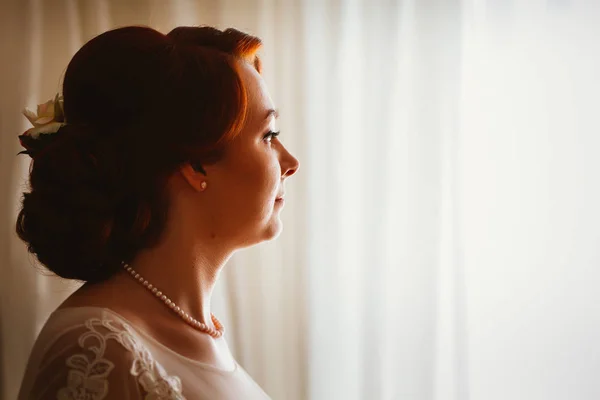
(441, 238)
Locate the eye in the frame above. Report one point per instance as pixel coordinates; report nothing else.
(270, 135)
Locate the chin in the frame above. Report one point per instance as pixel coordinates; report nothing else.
(273, 230)
(264, 234)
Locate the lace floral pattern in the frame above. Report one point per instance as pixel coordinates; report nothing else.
(88, 379)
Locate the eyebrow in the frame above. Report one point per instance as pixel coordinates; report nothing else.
(272, 112)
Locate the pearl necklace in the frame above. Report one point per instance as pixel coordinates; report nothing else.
(216, 333)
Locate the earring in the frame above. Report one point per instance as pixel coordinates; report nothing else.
(203, 185)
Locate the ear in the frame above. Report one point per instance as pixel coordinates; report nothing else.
(195, 178)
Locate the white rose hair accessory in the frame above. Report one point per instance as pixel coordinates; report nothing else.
(48, 120)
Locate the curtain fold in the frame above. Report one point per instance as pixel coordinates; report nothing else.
(384, 88)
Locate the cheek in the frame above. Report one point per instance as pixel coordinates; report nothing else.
(249, 182)
(272, 175)
(260, 177)
(251, 199)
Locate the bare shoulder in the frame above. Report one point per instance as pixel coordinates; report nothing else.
(103, 294)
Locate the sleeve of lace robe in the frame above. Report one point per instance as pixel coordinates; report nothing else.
(97, 360)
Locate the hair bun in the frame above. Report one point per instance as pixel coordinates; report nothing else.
(71, 205)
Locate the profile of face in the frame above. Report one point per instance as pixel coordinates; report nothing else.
(242, 200)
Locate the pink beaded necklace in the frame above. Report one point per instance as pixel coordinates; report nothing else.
(216, 333)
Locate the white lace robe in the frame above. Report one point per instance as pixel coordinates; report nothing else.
(93, 353)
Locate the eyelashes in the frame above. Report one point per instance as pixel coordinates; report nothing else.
(270, 135)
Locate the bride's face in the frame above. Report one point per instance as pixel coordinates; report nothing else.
(244, 187)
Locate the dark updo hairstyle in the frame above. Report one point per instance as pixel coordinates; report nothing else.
(138, 104)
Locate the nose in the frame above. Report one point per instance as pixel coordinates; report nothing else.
(289, 164)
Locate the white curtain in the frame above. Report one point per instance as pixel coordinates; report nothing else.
(441, 237)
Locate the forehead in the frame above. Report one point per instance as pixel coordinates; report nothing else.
(259, 98)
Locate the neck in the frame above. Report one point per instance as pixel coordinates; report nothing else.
(185, 272)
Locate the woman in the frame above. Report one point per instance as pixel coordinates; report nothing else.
(161, 161)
